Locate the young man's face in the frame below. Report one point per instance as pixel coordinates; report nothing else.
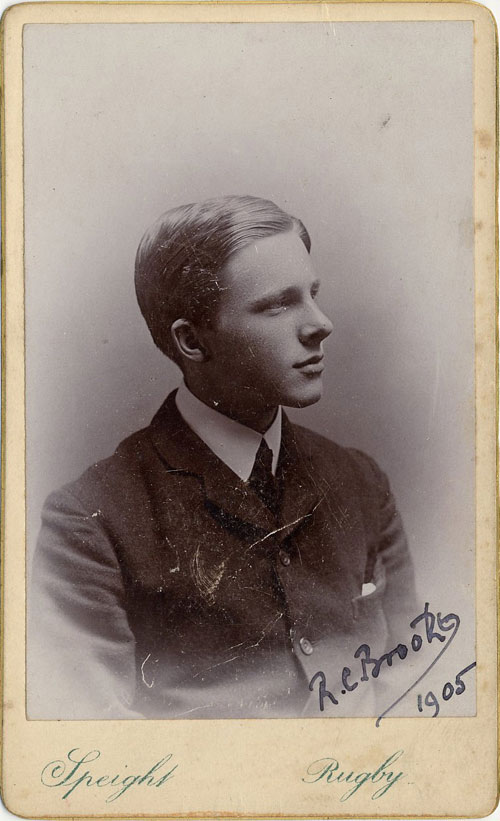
(265, 347)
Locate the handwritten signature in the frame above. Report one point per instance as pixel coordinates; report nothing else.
(369, 666)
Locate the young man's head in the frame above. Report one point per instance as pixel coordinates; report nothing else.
(228, 292)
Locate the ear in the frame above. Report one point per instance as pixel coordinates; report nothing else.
(187, 340)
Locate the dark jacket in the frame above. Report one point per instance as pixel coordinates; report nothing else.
(163, 586)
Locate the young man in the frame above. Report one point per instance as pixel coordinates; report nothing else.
(222, 557)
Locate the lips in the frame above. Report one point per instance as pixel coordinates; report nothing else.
(313, 365)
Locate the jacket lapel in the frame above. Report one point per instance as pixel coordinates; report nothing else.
(302, 489)
(329, 485)
(305, 488)
(232, 499)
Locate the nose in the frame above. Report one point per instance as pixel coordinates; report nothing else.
(316, 326)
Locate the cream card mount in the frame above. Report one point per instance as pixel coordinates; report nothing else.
(249, 532)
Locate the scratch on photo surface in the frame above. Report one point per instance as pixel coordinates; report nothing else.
(213, 666)
(300, 554)
(257, 590)
(313, 480)
(234, 646)
(266, 628)
(177, 566)
(340, 517)
(192, 710)
(207, 581)
(218, 286)
(284, 527)
(142, 672)
(318, 487)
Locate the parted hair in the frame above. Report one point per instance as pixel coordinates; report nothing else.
(180, 257)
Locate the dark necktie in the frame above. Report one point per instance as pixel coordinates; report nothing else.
(262, 479)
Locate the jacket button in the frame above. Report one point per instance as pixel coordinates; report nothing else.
(284, 558)
(306, 646)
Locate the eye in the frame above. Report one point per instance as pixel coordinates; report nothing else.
(315, 290)
(276, 308)
(278, 304)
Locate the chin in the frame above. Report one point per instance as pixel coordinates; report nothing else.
(304, 398)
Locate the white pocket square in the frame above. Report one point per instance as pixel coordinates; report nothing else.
(368, 588)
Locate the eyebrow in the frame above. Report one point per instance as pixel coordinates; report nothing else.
(278, 296)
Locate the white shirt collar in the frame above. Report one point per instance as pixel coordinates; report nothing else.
(235, 444)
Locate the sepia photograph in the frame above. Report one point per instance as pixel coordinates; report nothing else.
(253, 313)
(238, 540)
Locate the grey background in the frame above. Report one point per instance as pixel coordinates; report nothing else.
(364, 131)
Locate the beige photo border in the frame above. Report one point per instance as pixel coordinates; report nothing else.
(238, 768)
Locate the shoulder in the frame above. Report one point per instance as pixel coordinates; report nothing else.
(329, 456)
(114, 477)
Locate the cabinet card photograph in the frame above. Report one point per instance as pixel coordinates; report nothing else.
(249, 466)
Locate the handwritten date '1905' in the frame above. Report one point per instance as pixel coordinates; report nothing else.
(442, 629)
(448, 691)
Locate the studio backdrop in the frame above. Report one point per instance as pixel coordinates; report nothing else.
(362, 130)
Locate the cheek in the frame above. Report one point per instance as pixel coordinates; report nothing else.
(260, 346)
(272, 334)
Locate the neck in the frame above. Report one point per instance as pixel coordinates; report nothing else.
(258, 418)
